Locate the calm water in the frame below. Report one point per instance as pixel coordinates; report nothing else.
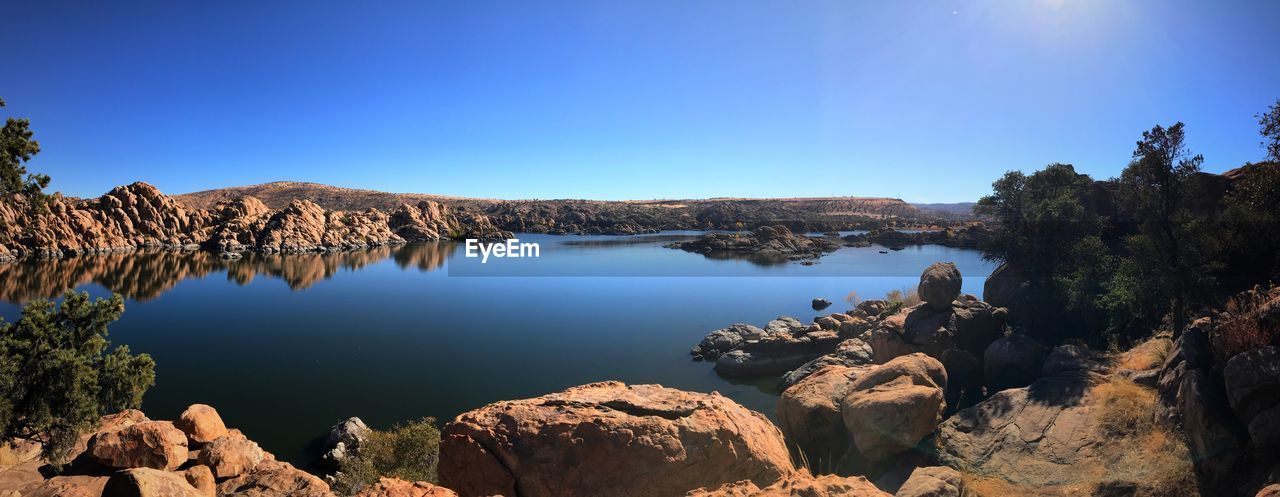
(285, 346)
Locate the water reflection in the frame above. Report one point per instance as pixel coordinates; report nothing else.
(144, 276)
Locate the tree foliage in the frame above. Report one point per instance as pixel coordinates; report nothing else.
(57, 376)
(16, 148)
(1270, 123)
(1158, 191)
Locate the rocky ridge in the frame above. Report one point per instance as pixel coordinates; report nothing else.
(138, 216)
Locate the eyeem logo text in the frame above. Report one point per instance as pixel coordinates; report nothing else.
(511, 248)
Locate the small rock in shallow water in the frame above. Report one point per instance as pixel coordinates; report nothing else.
(820, 304)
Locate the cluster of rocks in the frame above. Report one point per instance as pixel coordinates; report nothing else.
(138, 216)
(1219, 385)
(769, 242)
(966, 237)
(195, 455)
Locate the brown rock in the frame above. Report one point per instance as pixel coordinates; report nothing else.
(940, 285)
(809, 413)
(147, 482)
(891, 408)
(1270, 491)
(201, 477)
(606, 439)
(201, 424)
(150, 444)
(800, 484)
(231, 455)
(275, 479)
(68, 486)
(1012, 362)
(391, 487)
(936, 481)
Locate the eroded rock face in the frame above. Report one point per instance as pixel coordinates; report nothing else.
(68, 486)
(391, 487)
(934, 481)
(892, 407)
(809, 413)
(147, 482)
(149, 444)
(231, 455)
(343, 440)
(606, 439)
(940, 285)
(850, 353)
(201, 424)
(275, 479)
(800, 484)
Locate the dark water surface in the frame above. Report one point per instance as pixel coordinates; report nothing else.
(286, 346)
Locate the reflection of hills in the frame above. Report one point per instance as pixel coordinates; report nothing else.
(147, 275)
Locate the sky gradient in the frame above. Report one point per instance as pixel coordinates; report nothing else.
(928, 101)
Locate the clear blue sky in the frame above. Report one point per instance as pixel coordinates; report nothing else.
(924, 100)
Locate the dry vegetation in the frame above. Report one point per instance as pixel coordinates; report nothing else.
(1245, 329)
(1136, 457)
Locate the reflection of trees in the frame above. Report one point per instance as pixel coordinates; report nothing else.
(146, 275)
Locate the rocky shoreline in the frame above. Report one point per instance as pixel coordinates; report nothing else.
(138, 216)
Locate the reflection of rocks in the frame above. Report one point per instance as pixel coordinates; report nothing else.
(145, 275)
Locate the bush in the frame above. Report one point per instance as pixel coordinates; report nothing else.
(407, 451)
(1246, 327)
(56, 376)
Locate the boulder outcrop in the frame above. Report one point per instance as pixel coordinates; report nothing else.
(147, 482)
(940, 285)
(800, 484)
(149, 444)
(809, 414)
(231, 455)
(201, 424)
(891, 408)
(1011, 362)
(766, 242)
(391, 487)
(933, 481)
(275, 479)
(609, 438)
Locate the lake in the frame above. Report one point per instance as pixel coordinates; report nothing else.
(286, 346)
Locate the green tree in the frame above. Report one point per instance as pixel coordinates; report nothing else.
(1171, 251)
(1049, 231)
(16, 148)
(57, 376)
(1270, 123)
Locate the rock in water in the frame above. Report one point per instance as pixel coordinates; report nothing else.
(892, 407)
(940, 285)
(820, 304)
(150, 444)
(201, 424)
(343, 440)
(610, 439)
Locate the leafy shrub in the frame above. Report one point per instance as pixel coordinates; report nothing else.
(407, 451)
(56, 376)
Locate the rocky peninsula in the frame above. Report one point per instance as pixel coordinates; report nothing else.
(763, 243)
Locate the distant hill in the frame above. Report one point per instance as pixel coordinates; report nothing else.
(602, 216)
(958, 210)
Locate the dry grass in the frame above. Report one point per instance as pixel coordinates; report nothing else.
(1245, 330)
(853, 299)
(1146, 355)
(907, 296)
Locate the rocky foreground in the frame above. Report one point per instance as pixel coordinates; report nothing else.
(138, 216)
(195, 455)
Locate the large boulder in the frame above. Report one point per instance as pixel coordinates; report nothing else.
(201, 477)
(67, 486)
(343, 440)
(809, 413)
(1012, 362)
(1253, 382)
(275, 479)
(392, 487)
(800, 484)
(776, 354)
(231, 455)
(940, 285)
(147, 482)
(850, 353)
(933, 481)
(149, 444)
(606, 439)
(1006, 287)
(721, 341)
(892, 407)
(201, 424)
